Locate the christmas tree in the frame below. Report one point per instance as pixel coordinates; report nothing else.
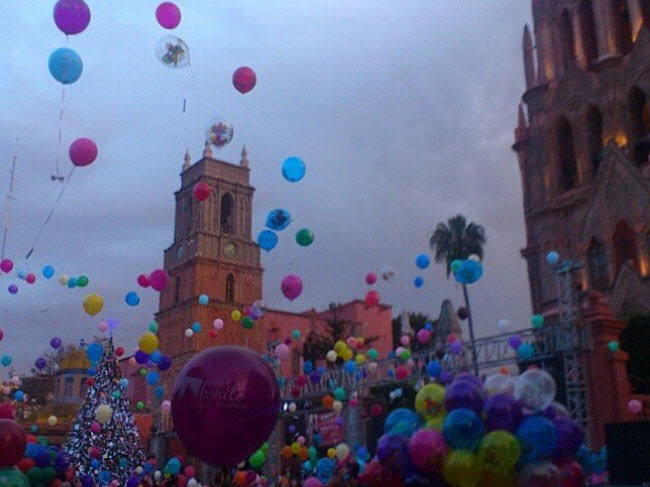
(104, 441)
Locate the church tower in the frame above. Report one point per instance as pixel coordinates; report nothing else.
(213, 253)
(582, 142)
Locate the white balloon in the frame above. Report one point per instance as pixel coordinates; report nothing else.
(52, 420)
(292, 407)
(387, 272)
(499, 384)
(535, 389)
(474, 257)
(337, 406)
(503, 324)
(189, 333)
(331, 356)
(103, 413)
(157, 474)
(342, 451)
(192, 483)
(372, 367)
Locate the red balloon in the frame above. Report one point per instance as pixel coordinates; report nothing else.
(244, 79)
(201, 191)
(143, 280)
(90, 381)
(2, 334)
(12, 443)
(212, 333)
(401, 372)
(25, 464)
(372, 299)
(371, 278)
(159, 279)
(572, 474)
(83, 152)
(119, 351)
(31, 278)
(6, 411)
(225, 404)
(375, 410)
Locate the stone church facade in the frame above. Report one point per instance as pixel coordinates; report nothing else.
(583, 145)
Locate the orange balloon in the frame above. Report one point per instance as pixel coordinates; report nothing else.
(504, 371)
(303, 454)
(240, 478)
(328, 401)
(286, 451)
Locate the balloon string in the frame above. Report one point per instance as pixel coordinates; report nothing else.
(49, 215)
(57, 176)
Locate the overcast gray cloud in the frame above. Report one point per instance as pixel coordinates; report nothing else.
(402, 110)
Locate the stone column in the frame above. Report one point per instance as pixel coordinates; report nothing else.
(636, 17)
(605, 29)
(581, 55)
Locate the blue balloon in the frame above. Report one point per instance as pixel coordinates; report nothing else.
(165, 363)
(267, 240)
(91, 371)
(65, 65)
(203, 299)
(401, 421)
(6, 360)
(124, 462)
(19, 395)
(537, 436)
(418, 282)
(552, 257)
(196, 327)
(152, 378)
(155, 356)
(463, 429)
(48, 271)
(72, 282)
(124, 382)
(104, 477)
(94, 463)
(293, 169)
(434, 369)
(422, 261)
(308, 366)
(428, 326)
(141, 357)
(174, 466)
(159, 392)
(468, 272)
(350, 366)
(525, 351)
(22, 274)
(278, 219)
(306, 466)
(94, 352)
(325, 469)
(318, 439)
(132, 299)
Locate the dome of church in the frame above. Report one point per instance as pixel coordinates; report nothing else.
(75, 359)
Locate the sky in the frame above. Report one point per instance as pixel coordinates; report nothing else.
(402, 111)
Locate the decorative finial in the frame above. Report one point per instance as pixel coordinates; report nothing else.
(207, 150)
(244, 157)
(188, 159)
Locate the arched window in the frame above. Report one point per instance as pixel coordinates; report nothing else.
(227, 216)
(588, 31)
(566, 155)
(594, 137)
(230, 288)
(187, 216)
(566, 38)
(597, 258)
(84, 388)
(623, 26)
(67, 387)
(177, 289)
(639, 123)
(625, 248)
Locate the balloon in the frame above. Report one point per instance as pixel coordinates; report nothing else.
(257, 459)
(103, 413)
(401, 421)
(312, 482)
(392, 451)
(372, 298)
(83, 152)
(30, 278)
(538, 438)
(244, 79)
(65, 65)
(304, 237)
(168, 15)
(468, 272)
(462, 429)
(461, 468)
(235, 315)
(503, 324)
(93, 304)
(40, 363)
(132, 299)
(94, 351)
(13, 289)
(52, 420)
(6, 360)
(189, 333)
(499, 451)
(387, 272)
(499, 383)
(201, 191)
(48, 271)
(247, 322)
(267, 240)
(422, 261)
(324, 469)
(14, 478)
(6, 265)
(204, 300)
(291, 286)
(159, 279)
(502, 412)
(613, 346)
(418, 282)
(71, 16)
(535, 389)
(173, 52)
(539, 474)
(427, 450)
(82, 281)
(148, 342)
(143, 280)
(218, 324)
(634, 406)
(342, 451)
(219, 132)
(572, 474)
(226, 392)
(278, 219)
(12, 443)
(293, 169)
(429, 402)
(569, 437)
(63, 280)
(552, 257)
(331, 356)
(464, 394)
(525, 351)
(537, 321)
(434, 369)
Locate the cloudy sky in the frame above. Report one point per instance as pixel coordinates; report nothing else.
(403, 112)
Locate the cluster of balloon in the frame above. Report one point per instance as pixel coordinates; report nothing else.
(507, 431)
(72, 282)
(219, 132)
(13, 443)
(224, 393)
(244, 79)
(45, 464)
(293, 169)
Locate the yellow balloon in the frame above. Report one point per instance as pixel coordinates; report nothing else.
(347, 354)
(461, 469)
(235, 315)
(436, 423)
(360, 359)
(295, 447)
(339, 347)
(93, 304)
(430, 402)
(148, 342)
(331, 452)
(491, 478)
(499, 451)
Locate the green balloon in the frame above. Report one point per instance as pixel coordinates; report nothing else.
(406, 354)
(313, 454)
(339, 394)
(11, 477)
(613, 346)
(304, 237)
(265, 448)
(373, 354)
(143, 372)
(35, 476)
(537, 321)
(48, 474)
(139, 406)
(82, 281)
(153, 327)
(455, 264)
(247, 322)
(257, 459)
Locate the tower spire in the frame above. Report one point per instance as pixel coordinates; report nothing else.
(529, 61)
(244, 157)
(207, 150)
(187, 160)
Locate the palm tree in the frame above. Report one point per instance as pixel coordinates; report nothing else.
(457, 240)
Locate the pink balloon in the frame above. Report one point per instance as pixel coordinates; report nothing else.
(282, 351)
(291, 287)
(427, 450)
(71, 16)
(6, 265)
(312, 482)
(225, 392)
(83, 152)
(244, 79)
(166, 406)
(635, 406)
(95, 427)
(168, 15)
(159, 279)
(31, 278)
(405, 340)
(423, 336)
(218, 324)
(371, 278)
(143, 280)
(401, 372)
(372, 298)
(103, 326)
